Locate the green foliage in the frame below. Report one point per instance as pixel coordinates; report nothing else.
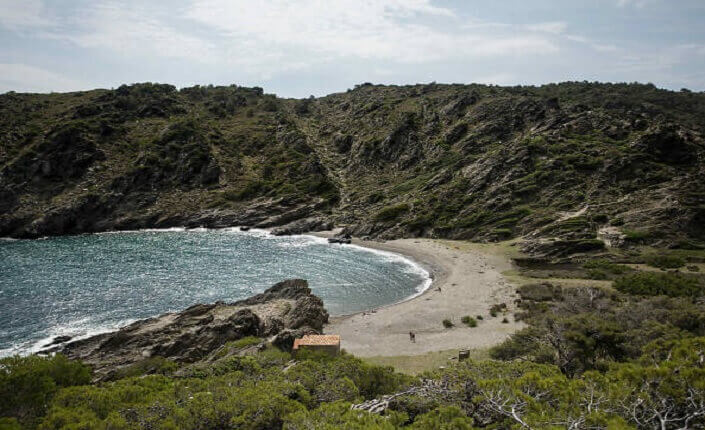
(469, 321)
(444, 418)
(251, 392)
(148, 366)
(337, 415)
(448, 323)
(655, 284)
(391, 213)
(245, 342)
(665, 261)
(636, 235)
(27, 384)
(607, 266)
(539, 292)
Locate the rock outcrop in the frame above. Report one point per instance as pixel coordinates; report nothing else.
(281, 313)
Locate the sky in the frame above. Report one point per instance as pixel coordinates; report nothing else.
(317, 47)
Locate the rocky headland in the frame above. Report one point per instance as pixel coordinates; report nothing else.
(282, 313)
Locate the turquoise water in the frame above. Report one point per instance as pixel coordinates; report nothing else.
(83, 285)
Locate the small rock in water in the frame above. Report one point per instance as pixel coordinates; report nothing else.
(59, 339)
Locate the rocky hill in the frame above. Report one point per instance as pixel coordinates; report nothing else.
(582, 165)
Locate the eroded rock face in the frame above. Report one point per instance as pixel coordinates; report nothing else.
(284, 311)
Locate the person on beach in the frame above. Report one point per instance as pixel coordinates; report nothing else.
(412, 336)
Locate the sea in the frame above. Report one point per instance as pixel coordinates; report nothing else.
(83, 285)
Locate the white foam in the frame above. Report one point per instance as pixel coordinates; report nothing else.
(79, 329)
(411, 267)
(300, 241)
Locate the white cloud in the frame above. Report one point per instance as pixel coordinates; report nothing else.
(134, 31)
(556, 27)
(599, 47)
(636, 3)
(323, 30)
(30, 78)
(16, 14)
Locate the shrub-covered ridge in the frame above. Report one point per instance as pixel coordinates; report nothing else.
(593, 165)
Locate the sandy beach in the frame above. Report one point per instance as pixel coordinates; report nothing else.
(466, 281)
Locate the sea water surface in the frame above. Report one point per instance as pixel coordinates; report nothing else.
(83, 285)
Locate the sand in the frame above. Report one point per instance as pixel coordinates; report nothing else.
(466, 281)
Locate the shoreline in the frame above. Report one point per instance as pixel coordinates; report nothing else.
(434, 268)
(466, 281)
(33, 346)
(462, 281)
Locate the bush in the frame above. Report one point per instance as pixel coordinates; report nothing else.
(479, 317)
(539, 292)
(607, 266)
(27, 384)
(148, 366)
(665, 261)
(390, 213)
(469, 321)
(505, 320)
(448, 323)
(657, 284)
(636, 235)
(249, 191)
(497, 308)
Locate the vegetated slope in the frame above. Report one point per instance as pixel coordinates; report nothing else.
(567, 161)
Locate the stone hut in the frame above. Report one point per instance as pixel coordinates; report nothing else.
(328, 343)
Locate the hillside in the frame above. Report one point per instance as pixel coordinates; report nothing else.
(587, 164)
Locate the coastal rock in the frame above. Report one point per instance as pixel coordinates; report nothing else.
(303, 226)
(286, 309)
(57, 340)
(285, 339)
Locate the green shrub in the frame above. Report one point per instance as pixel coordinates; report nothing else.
(539, 292)
(657, 284)
(148, 366)
(444, 418)
(497, 308)
(636, 235)
(469, 321)
(249, 191)
(391, 213)
(479, 317)
(596, 274)
(27, 384)
(501, 232)
(607, 266)
(245, 342)
(665, 261)
(448, 323)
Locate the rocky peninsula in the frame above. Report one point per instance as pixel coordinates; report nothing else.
(282, 313)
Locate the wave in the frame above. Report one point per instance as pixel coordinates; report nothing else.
(79, 329)
(412, 267)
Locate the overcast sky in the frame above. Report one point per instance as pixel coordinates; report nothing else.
(303, 47)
